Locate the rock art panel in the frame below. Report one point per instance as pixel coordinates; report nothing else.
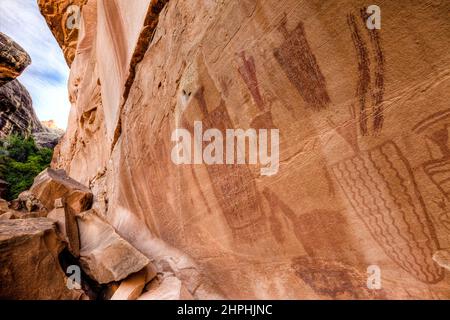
(363, 143)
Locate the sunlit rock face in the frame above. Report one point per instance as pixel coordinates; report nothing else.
(63, 17)
(362, 191)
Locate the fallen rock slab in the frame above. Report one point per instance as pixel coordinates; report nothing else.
(442, 258)
(67, 225)
(52, 184)
(29, 267)
(55, 12)
(104, 255)
(131, 288)
(13, 59)
(16, 112)
(170, 288)
(30, 203)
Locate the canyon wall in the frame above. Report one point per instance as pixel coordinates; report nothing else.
(363, 118)
(16, 107)
(17, 115)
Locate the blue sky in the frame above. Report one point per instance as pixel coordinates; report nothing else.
(46, 78)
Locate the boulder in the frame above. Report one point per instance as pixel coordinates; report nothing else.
(104, 255)
(131, 288)
(170, 288)
(30, 203)
(16, 110)
(67, 225)
(13, 59)
(52, 184)
(354, 188)
(29, 266)
(61, 16)
(442, 258)
(4, 206)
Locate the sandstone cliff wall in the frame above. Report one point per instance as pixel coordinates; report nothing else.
(363, 117)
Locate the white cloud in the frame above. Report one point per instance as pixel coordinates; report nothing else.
(46, 78)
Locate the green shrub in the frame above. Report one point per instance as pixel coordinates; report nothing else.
(20, 162)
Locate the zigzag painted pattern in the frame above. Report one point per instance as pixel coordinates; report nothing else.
(381, 188)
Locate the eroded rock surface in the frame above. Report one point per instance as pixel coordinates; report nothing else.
(104, 255)
(51, 184)
(168, 288)
(364, 124)
(4, 206)
(63, 17)
(13, 59)
(17, 115)
(66, 220)
(29, 267)
(16, 110)
(131, 288)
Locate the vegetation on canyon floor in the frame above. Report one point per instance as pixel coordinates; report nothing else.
(20, 162)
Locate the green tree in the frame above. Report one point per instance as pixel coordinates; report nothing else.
(20, 162)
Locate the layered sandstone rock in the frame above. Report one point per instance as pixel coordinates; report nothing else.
(17, 115)
(27, 201)
(13, 59)
(67, 225)
(4, 206)
(51, 185)
(6, 216)
(104, 255)
(363, 117)
(16, 110)
(131, 288)
(88, 241)
(63, 18)
(29, 267)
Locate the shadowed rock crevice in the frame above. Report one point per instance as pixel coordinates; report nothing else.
(143, 43)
